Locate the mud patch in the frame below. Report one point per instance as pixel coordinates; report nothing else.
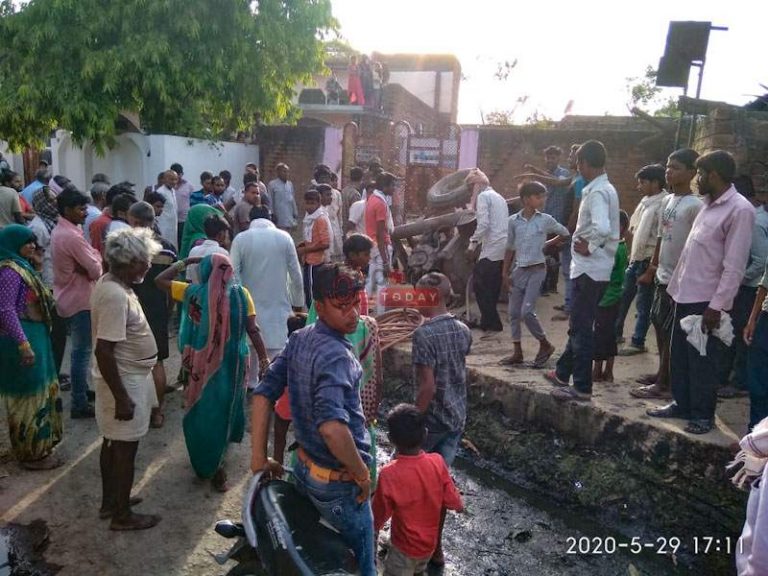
(22, 548)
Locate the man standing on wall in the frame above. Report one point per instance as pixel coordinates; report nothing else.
(705, 283)
(595, 241)
(492, 215)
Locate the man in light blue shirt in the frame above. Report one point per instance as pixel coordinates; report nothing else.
(283, 201)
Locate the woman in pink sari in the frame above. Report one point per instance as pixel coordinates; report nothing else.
(354, 84)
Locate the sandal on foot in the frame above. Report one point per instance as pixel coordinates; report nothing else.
(651, 391)
(669, 411)
(135, 522)
(699, 426)
(542, 357)
(510, 360)
(552, 378)
(47, 463)
(105, 513)
(647, 379)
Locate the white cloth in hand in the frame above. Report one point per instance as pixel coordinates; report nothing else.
(691, 325)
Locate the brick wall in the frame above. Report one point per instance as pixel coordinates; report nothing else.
(503, 151)
(400, 104)
(301, 147)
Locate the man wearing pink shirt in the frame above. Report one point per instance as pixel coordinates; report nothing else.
(76, 267)
(705, 282)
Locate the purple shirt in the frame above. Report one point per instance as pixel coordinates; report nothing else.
(13, 304)
(76, 267)
(183, 191)
(713, 261)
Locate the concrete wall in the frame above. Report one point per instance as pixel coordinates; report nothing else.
(15, 160)
(504, 150)
(139, 158)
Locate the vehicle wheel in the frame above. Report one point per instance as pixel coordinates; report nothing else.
(450, 191)
(253, 568)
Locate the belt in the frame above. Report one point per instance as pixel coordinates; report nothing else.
(540, 265)
(322, 474)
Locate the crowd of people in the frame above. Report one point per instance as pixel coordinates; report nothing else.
(119, 274)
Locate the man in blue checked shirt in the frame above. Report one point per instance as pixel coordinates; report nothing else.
(328, 420)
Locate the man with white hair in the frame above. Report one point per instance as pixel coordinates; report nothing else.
(168, 221)
(492, 215)
(125, 354)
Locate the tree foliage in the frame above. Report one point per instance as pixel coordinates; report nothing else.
(203, 68)
(646, 96)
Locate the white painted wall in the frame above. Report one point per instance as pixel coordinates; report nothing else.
(15, 160)
(139, 158)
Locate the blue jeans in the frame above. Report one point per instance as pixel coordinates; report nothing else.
(565, 270)
(576, 359)
(337, 503)
(644, 294)
(80, 331)
(757, 372)
(444, 443)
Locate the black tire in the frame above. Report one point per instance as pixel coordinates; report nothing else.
(450, 191)
(251, 568)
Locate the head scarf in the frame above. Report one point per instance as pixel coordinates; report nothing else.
(44, 203)
(750, 462)
(215, 317)
(193, 227)
(478, 181)
(12, 238)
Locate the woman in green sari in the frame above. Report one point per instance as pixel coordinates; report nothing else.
(218, 314)
(30, 383)
(194, 231)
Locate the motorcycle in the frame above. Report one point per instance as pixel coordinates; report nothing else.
(283, 534)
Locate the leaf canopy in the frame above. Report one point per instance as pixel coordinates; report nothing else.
(204, 68)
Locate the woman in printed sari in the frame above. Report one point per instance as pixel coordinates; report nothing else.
(217, 315)
(30, 383)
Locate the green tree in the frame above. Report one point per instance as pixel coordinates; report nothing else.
(645, 95)
(204, 68)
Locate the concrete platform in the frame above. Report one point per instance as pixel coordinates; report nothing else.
(607, 455)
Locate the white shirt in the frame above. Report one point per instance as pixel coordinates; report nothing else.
(117, 225)
(168, 221)
(356, 215)
(492, 217)
(598, 224)
(264, 259)
(91, 215)
(207, 248)
(644, 226)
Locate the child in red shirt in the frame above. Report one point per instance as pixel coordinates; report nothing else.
(413, 490)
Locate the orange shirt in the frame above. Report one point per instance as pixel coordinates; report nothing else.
(376, 211)
(321, 234)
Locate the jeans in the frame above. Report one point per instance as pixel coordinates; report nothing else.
(694, 377)
(565, 269)
(338, 505)
(523, 293)
(80, 331)
(577, 357)
(58, 338)
(444, 443)
(644, 293)
(757, 372)
(486, 281)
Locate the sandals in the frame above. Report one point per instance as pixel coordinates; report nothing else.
(699, 426)
(135, 522)
(542, 357)
(48, 463)
(650, 391)
(105, 513)
(511, 360)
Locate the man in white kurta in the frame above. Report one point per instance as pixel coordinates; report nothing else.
(168, 221)
(265, 261)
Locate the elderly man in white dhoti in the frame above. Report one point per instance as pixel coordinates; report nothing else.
(126, 352)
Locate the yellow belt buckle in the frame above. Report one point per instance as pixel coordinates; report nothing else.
(322, 474)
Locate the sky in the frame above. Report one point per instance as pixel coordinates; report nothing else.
(580, 50)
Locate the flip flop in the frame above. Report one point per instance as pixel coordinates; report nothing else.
(134, 501)
(542, 357)
(48, 463)
(136, 522)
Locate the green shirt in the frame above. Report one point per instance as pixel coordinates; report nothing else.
(616, 283)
